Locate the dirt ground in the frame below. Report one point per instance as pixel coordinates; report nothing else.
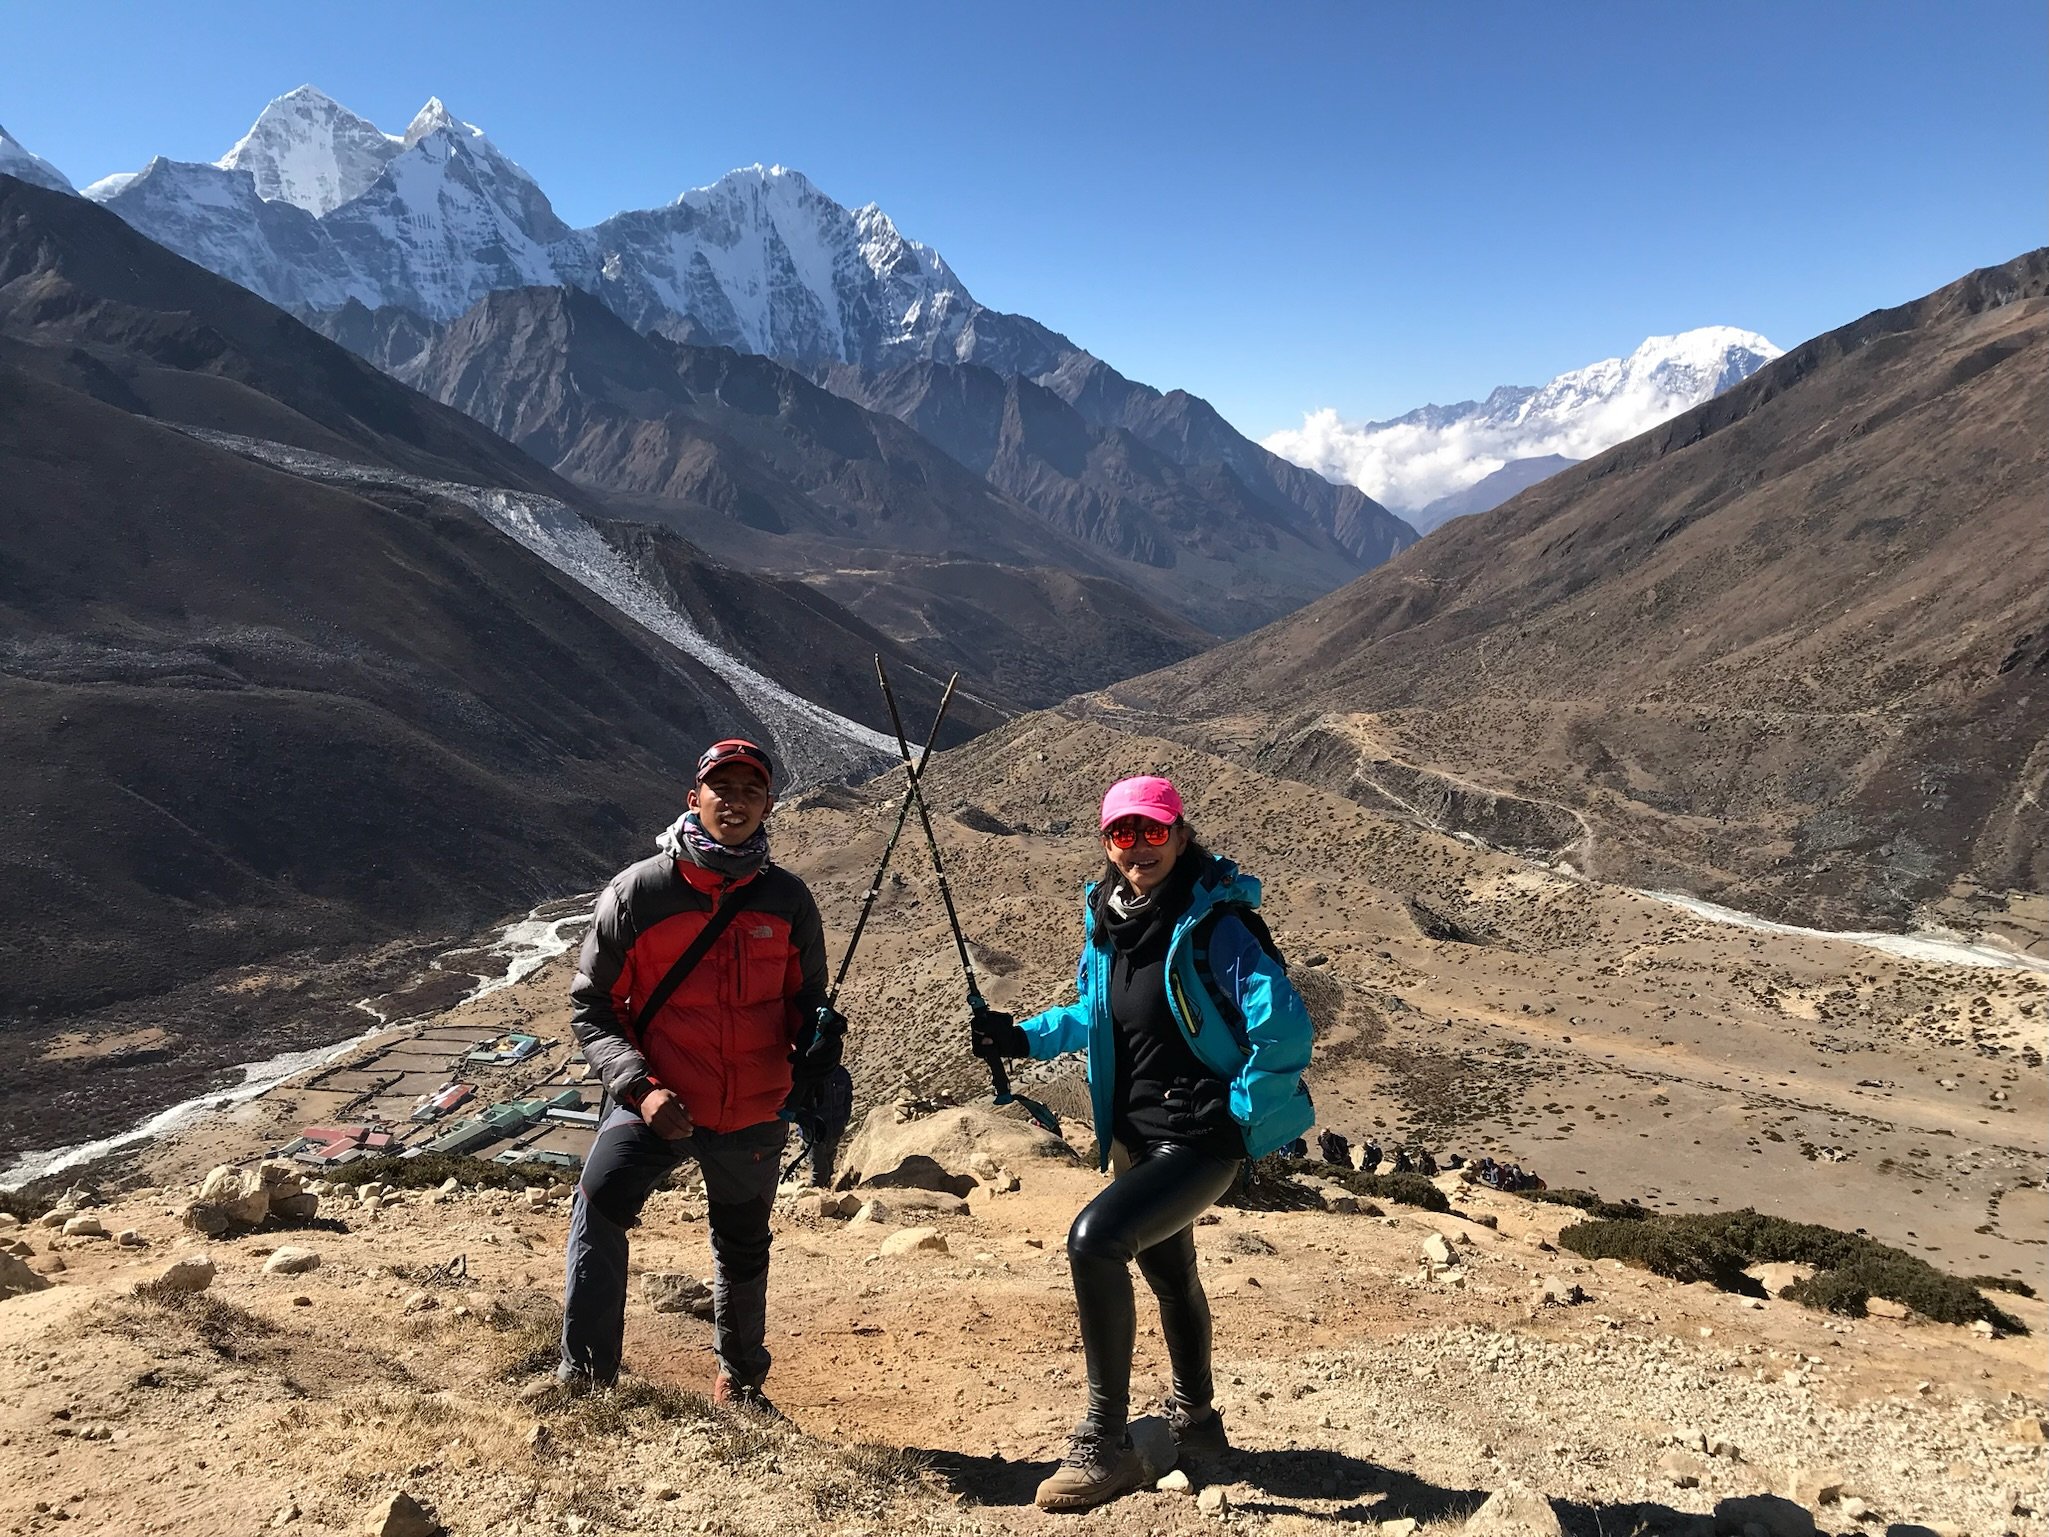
(1598, 1036)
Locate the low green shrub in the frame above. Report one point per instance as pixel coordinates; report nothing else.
(1850, 1269)
(1665, 1246)
(1588, 1202)
(2003, 1283)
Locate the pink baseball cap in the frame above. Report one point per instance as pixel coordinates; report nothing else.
(1147, 796)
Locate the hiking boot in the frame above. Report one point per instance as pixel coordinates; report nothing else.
(1199, 1434)
(730, 1394)
(1097, 1468)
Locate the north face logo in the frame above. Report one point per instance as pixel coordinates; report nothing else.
(763, 931)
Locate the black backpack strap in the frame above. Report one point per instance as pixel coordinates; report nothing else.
(686, 963)
(1227, 1006)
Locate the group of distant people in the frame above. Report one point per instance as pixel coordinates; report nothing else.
(1334, 1147)
(701, 1003)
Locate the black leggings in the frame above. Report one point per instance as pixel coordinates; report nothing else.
(1148, 1214)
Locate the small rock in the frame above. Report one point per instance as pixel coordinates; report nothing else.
(286, 1516)
(295, 1208)
(291, 1260)
(667, 1292)
(664, 1491)
(129, 1238)
(1514, 1510)
(1812, 1487)
(402, 1517)
(1213, 1501)
(193, 1273)
(1680, 1469)
(1771, 1514)
(1855, 1509)
(811, 1208)
(1401, 1526)
(875, 1213)
(2028, 1430)
(539, 1439)
(84, 1227)
(912, 1240)
(1982, 1327)
(1175, 1482)
(1436, 1251)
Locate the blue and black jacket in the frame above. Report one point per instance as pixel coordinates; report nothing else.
(1245, 1022)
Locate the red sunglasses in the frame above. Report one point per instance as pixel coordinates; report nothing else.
(1126, 834)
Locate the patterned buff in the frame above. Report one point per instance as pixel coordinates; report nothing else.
(686, 838)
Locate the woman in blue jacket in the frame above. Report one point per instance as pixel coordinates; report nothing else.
(1196, 1045)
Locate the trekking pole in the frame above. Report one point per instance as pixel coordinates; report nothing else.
(889, 848)
(999, 1075)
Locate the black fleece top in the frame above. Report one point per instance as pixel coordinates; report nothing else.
(1164, 1092)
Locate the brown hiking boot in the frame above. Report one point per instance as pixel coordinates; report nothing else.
(1096, 1469)
(729, 1394)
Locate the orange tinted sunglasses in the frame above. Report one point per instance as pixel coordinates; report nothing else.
(1126, 834)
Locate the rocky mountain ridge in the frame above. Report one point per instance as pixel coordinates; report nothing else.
(324, 215)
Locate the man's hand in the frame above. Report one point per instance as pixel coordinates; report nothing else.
(665, 1115)
(819, 1046)
(993, 1033)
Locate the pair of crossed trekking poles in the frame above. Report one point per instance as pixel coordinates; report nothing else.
(914, 796)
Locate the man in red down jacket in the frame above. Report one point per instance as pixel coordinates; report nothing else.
(746, 1032)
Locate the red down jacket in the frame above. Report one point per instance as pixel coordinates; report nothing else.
(722, 1039)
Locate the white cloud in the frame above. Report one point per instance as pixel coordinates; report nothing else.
(1408, 464)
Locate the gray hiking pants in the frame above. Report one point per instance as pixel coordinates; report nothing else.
(626, 1162)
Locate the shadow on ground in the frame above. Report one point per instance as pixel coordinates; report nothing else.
(1343, 1489)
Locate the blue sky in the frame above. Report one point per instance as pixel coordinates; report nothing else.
(1279, 206)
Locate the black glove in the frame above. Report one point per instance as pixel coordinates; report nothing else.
(820, 1044)
(992, 1034)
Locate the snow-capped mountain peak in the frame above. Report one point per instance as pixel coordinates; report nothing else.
(18, 160)
(307, 149)
(435, 118)
(1435, 452)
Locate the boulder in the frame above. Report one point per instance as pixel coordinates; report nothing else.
(222, 1182)
(912, 1240)
(1776, 1277)
(16, 1277)
(249, 1209)
(301, 1207)
(193, 1273)
(1771, 1513)
(85, 1227)
(952, 1137)
(1437, 1250)
(205, 1218)
(920, 1171)
(1515, 1510)
(291, 1260)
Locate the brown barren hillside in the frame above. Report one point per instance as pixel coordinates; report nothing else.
(1791, 648)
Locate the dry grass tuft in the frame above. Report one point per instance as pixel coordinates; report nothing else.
(230, 1332)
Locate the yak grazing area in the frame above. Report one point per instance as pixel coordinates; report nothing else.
(1790, 650)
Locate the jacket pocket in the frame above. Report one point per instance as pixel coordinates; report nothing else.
(1197, 1106)
(764, 960)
